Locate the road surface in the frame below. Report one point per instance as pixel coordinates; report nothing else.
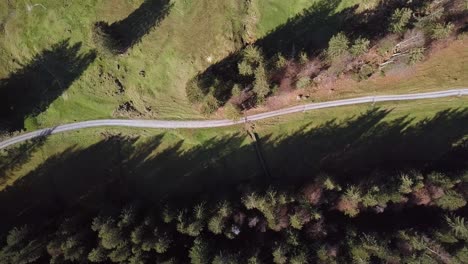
(224, 123)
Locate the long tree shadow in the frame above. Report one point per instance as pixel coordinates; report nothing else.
(122, 35)
(13, 158)
(31, 89)
(309, 31)
(365, 149)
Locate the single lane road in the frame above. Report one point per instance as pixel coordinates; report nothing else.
(225, 122)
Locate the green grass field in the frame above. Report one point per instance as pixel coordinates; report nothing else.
(154, 72)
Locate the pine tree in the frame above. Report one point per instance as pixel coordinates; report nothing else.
(360, 46)
(261, 86)
(199, 253)
(400, 19)
(338, 45)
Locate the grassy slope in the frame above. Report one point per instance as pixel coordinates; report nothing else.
(444, 69)
(170, 55)
(275, 128)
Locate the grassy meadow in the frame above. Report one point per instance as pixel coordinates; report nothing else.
(152, 74)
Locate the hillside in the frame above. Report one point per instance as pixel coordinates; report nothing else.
(370, 180)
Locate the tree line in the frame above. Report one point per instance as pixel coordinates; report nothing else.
(323, 221)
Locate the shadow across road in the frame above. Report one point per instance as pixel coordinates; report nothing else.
(365, 149)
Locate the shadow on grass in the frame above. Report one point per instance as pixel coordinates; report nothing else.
(364, 150)
(15, 157)
(31, 89)
(309, 31)
(122, 35)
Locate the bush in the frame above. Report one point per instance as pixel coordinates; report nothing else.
(245, 68)
(236, 90)
(252, 54)
(105, 39)
(441, 31)
(210, 105)
(303, 58)
(231, 111)
(406, 184)
(386, 46)
(199, 253)
(360, 46)
(193, 91)
(280, 61)
(338, 45)
(261, 87)
(366, 71)
(300, 258)
(400, 20)
(415, 55)
(451, 201)
(296, 221)
(303, 82)
(97, 255)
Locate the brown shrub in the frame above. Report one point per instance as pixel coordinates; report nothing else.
(421, 197)
(348, 206)
(312, 193)
(435, 192)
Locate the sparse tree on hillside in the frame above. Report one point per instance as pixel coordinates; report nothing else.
(400, 20)
(261, 85)
(360, 46)
(210, 104)
(415, 55)
(451, 200)
(441, 31)
(338, 45)
(231, 111)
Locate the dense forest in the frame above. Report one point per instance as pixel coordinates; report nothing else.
(407, 217)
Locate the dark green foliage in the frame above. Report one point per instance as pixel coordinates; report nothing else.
(193, 91)
(415, 55)
(279, 255)
(360, 46)
(441, 31)
(338, 45)
(209, 105)
(451, 200)
(303, 82)
(261, 86)
(129, 237)
(366, 71)
(199, 252)
(97, 255)
(400, 20)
